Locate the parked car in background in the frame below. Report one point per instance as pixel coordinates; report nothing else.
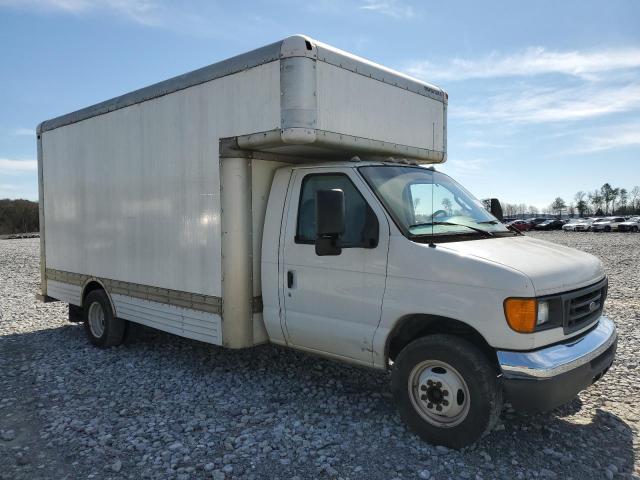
(550, 224)
(607, 224)
(631, 225)
(537, 221)
(577, 225)
(521, 225)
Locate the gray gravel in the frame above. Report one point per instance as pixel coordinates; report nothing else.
(164, 407)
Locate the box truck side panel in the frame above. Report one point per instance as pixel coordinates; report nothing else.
(134, 195)
(377, 110)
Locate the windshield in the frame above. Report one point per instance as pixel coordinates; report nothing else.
(425, 202)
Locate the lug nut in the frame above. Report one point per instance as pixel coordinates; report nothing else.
(445, 393)
(423, 388)
(438, 408)
(429, 405)
(423, 397)
(445, 403)
(429, 382)
(439, 384)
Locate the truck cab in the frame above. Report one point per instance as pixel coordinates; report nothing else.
(397, 266)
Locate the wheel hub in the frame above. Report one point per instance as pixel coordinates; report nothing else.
(96, 319)
(439, 393)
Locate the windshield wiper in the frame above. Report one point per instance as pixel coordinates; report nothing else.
(508, 227)
(479, 230)
(514, 230)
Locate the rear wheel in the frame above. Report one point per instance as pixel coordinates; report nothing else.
(607, 228)
(103, 328)
(447, 391)
(634, 228)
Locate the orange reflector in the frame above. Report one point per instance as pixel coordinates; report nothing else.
(521, 314)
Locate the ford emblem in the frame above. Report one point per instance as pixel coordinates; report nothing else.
(593, 306)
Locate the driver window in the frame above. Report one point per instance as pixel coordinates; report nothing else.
(361, 224)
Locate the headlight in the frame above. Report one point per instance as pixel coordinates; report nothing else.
(525, 314)
(543, 313)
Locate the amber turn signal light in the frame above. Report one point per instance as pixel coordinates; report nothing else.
(521, 314)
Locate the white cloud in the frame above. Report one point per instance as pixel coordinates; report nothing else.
(391, 8)
(466, 166)
(532, 61)
(211, 19)
(8, 165)
(22, 132)
(481, 144)
(146, 12)
(562, 104)
(614, 136)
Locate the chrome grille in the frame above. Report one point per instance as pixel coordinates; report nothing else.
(584, 305)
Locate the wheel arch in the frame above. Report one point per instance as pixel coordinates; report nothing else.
(413, 326)
(93, 284)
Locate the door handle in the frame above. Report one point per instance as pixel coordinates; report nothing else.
(290, 279)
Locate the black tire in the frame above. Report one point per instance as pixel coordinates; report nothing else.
(634, 228)
(75, 314)
(113, 328)
(480, 376)
(607, 228)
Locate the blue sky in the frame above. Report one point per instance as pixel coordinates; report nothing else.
(544, 96)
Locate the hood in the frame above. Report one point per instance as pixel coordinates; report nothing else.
(552, 268)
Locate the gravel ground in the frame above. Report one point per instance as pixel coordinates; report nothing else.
(164, 407)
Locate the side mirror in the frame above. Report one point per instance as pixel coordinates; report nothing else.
(330, 221)
(496, 209)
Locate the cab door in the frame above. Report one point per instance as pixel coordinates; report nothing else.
(332, 304)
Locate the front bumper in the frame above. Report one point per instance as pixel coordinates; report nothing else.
(543, 379)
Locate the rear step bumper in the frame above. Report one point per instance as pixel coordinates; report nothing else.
(543, 379)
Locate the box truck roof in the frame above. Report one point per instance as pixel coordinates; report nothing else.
(331, 101)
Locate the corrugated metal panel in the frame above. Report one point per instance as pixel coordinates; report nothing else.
(202, 326)
(65, 292)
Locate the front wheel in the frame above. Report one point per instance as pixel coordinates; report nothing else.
(446, 390)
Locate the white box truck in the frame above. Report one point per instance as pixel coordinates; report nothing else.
(288, 195)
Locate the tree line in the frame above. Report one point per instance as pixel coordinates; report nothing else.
(600, 202)
(18, 216)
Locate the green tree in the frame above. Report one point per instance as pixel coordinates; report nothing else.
(18, 216)
(558, 206)
(624, 200)
(635, 199)
(609, 195)
(447, 206)
(596, 199)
